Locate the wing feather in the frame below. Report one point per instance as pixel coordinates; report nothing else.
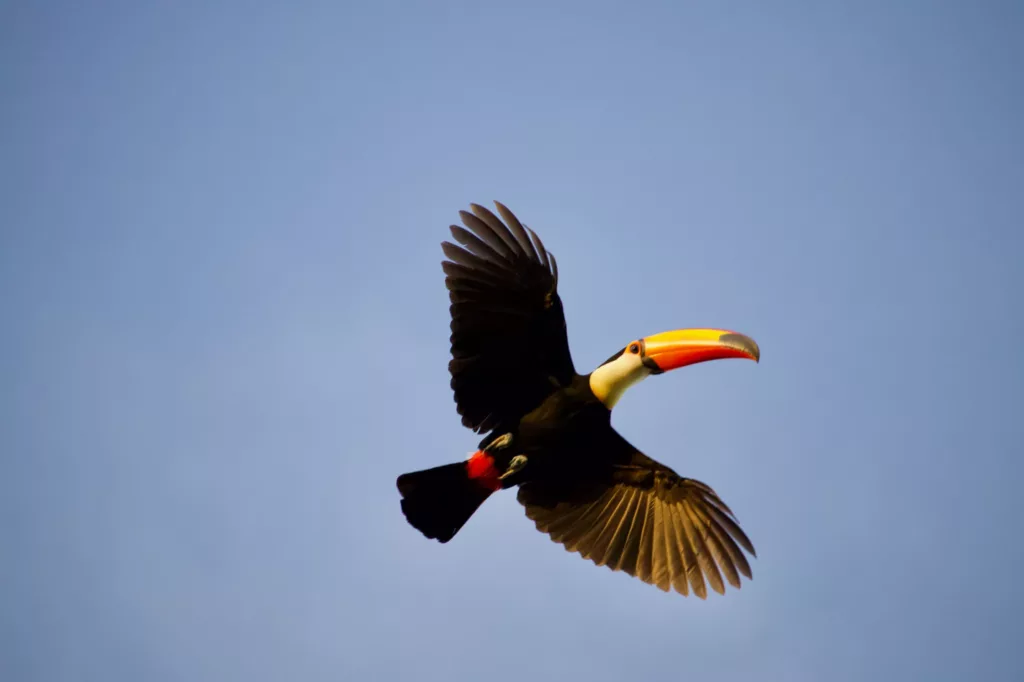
(694, 560)
(613, 520)
(538, 245)
(475, 247)
(614, 554)
(645, 562)
(735, 553)
(508, 344)
(675, 563)
(679, 567)
(631, 546)
(488, 235)
(517, 229)
(661, 576)
(595, 525)
(499, 229)
(643, 519)
(705, 557)
(561, 526)
(731, 527)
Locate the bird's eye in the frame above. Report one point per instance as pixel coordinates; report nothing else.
(634, 348)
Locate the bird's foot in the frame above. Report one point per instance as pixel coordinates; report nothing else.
(515, 466)
(499, 443)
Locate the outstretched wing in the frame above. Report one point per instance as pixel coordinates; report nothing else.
(508, 344)
(640, 517)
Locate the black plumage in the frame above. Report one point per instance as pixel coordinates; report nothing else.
(640, 517)
(584, 484)
(508, 344)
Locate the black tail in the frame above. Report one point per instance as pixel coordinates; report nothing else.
(439, 501)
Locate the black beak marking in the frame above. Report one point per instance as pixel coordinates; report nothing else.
(652, 365)
(744, 343)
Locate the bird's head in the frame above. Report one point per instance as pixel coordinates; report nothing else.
(663, 352)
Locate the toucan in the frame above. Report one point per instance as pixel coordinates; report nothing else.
(547, 429)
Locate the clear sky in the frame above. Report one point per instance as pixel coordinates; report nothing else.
(225, 332)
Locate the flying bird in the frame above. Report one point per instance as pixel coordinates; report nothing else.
(548, 428)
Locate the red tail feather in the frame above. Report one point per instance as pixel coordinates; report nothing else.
(481, 469)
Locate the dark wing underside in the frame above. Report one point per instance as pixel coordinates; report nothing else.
(508, 343)
(640, 517)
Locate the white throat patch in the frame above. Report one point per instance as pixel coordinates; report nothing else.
(610, 381)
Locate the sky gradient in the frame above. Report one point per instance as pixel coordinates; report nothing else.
(226, 332)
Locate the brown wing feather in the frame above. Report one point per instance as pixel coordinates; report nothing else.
(508, 344)
(644, 519)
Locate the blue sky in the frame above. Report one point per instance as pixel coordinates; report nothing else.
(226, 331)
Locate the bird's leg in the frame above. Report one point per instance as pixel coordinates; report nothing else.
(514, 467)
(516, 464)
(499, 443)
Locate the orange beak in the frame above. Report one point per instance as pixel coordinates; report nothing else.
(671, 350)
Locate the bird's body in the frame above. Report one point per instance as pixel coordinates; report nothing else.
(560, 433)
(548, 428)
